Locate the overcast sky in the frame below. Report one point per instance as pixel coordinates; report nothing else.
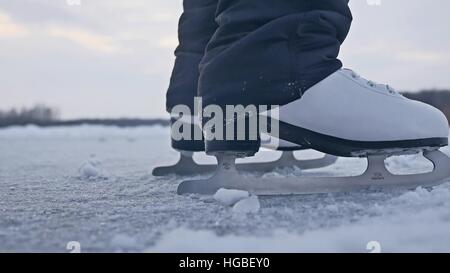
(113, 58)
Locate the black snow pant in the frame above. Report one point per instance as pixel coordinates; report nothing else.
(260, 52)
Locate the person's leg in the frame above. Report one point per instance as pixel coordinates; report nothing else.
(196, 27)
(269, 53)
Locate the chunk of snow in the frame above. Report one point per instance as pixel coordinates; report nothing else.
(247, 205)
(90, 169)
(230, 197)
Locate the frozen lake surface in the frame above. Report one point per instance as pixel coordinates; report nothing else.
(94, 185)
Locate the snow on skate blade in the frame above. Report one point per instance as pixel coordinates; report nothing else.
(375, 177)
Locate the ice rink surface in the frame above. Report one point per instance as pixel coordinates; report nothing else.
(93, 185)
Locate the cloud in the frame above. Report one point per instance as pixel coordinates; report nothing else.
(9, 29)
(84, 38)
(169, 42)
(164, 17)
(424, 56)
(400, 51)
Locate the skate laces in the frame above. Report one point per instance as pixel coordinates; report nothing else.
(379, 86)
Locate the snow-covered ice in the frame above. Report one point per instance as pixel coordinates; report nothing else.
(123, 241)
(93, 185)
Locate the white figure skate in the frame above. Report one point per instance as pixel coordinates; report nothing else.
(346, 115)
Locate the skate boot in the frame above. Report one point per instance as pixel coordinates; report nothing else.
(359, 117)
(186, 165)
(349, 116)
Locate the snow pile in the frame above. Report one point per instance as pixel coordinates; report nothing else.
(241, 201)
(230, 197)
(88, 170)
(247, 205)
(91, 170)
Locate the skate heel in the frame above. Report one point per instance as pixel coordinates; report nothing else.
(238, 136)
(193, 141)
(240, 149)
(188, 145)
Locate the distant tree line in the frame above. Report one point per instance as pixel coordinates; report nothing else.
(42, 115)
(35, 115)
(45, 116)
